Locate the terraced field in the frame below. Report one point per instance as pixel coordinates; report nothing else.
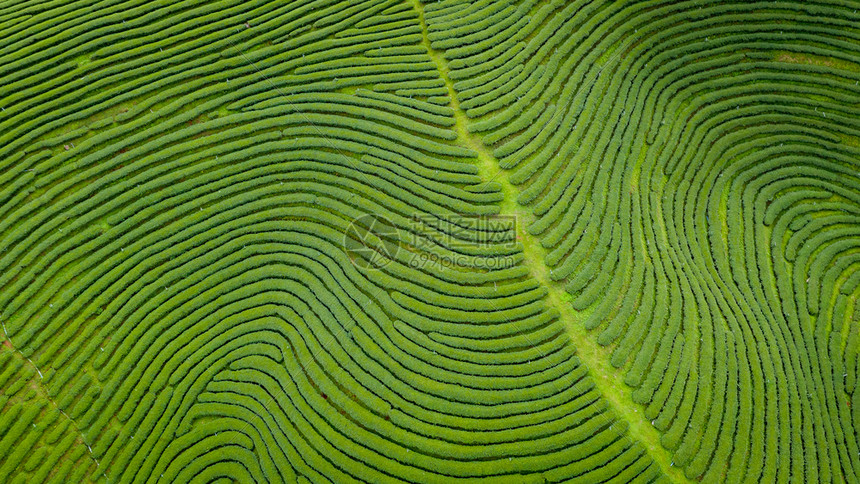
(455, 241)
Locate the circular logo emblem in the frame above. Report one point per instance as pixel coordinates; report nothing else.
(370, 241)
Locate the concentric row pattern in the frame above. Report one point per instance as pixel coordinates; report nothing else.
(176, 179)
(694, 173)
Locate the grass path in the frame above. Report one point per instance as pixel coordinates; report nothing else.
(609, 380)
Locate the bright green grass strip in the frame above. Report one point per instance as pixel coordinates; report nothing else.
(609, 380)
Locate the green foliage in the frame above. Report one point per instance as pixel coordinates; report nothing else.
(180, 182)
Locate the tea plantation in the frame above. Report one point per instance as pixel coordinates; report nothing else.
(495, 241)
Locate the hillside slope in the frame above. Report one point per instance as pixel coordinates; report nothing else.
(398, 241)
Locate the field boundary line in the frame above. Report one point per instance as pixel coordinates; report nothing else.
(608, 380)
